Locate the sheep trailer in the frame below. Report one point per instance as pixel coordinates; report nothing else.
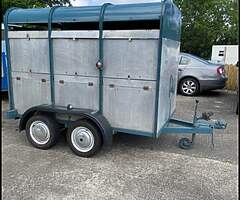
(96, 71)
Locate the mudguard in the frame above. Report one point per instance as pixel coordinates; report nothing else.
(95, 117)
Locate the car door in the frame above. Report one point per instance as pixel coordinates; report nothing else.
(184, 61)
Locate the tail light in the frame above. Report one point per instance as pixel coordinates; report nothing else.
(220, 70)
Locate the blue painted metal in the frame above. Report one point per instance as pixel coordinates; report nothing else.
(202, 129)
(180, 122)
(11, 113)
(101, 20)
(158, 72)
(134, 132)
(4, 78)
(121, 12)
(172, 22)
(200, 126)
(51, 64)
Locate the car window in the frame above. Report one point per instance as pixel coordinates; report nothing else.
(184, 60)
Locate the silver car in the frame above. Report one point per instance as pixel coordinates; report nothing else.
(196, 75)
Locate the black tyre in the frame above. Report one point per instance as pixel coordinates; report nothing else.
(84, 138)
(185, 143)
(42, 131)
(189, 87)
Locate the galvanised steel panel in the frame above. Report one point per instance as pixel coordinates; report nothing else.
(132, 58)
(129, 104)
(80, 92)
(75, 56)
(169, 68)
(30, 89)
(28, 34)
(85, 34)
(29, 55)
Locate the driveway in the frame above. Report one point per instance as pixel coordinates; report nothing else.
(134, 168)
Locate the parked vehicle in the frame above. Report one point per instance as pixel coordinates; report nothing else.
(196, 75)
(99, 74)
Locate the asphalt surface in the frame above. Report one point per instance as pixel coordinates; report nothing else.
(134, 168)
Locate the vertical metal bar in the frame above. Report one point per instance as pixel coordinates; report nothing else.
(9, 69)
(158, 70)
(50, 45)
(195, 112)
(101, 56)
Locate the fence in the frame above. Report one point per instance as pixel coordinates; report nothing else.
(232, 74)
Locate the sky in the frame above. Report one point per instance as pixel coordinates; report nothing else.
(100, 2)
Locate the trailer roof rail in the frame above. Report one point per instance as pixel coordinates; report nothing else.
(120, 12)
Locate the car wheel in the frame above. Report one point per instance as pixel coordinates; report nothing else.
(189, 87)
(84, 138)
(42, 131)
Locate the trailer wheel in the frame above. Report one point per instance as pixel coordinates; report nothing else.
(84, 138)
(185, 143)
(42, 131)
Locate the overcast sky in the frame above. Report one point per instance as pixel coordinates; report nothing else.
(100, 2)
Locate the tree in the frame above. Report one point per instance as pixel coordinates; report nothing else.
(206, 23)
(32, 3)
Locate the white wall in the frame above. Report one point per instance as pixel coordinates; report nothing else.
(226, 54)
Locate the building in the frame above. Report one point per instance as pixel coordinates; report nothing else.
(225, 54)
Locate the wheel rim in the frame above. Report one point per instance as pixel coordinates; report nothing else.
(189, 87)
(82, 139)
(39, 132)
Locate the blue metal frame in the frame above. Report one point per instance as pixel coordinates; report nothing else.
(50, 44)
(4, 78)
(134, 132)
(158, 71)
(187, 127)
(101, 20)
(120, 12)
(11, 113)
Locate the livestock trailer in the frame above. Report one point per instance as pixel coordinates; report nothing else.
(96, 71)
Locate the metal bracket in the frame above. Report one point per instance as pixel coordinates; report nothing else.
(11, 114)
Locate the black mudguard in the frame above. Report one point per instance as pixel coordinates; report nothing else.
(96, 117)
